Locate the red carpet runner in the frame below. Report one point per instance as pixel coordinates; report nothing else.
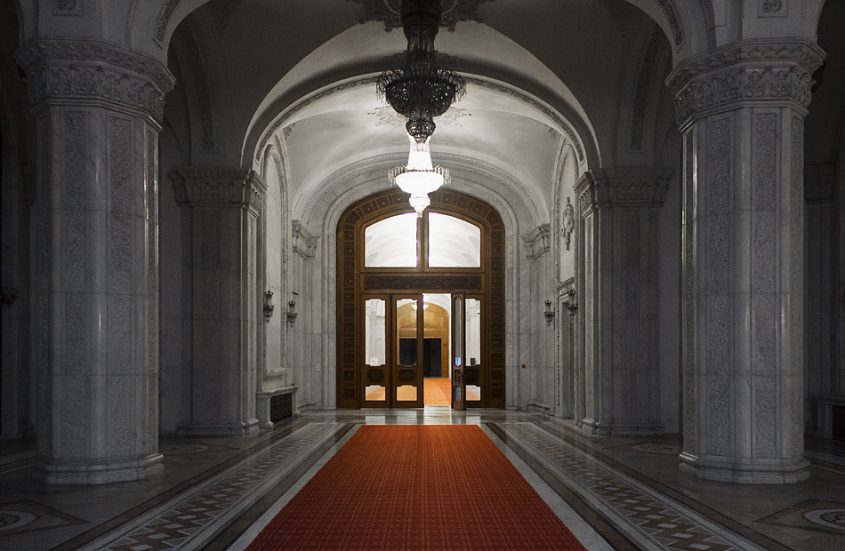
(417, 487)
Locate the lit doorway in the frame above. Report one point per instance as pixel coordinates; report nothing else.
(421, 304)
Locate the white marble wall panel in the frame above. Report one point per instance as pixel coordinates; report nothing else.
(821, 295)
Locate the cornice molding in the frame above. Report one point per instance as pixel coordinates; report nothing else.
(219, 187)
(627, 187)
(752, 70)
(94, 70)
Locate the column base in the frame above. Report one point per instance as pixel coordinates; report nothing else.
(597, 428)
(233, 429)
(744, 471)
(99, 472)
(602, 428)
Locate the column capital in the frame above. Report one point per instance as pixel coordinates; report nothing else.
(304, 243)
(219, 187)
(537, 242)
(640, 186)
(95, 71)
(759, 70)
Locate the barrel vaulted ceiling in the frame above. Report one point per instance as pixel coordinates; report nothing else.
(543, 75)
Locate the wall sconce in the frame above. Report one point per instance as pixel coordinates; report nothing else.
(549, 313)
(291, 314)
(268, 304)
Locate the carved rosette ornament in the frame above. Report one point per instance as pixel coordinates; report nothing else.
(89, 70)
(752, 70)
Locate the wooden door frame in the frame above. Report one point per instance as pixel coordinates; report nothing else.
(353, 282)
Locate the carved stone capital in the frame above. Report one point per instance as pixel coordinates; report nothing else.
(538, 242)
(778, 71)
(304, 243)
(90, 70)
(819, 183)
(632, 186)
(219, 187)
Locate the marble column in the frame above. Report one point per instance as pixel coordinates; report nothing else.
(97, 109)
(225, 206)
(620, 208)
(741, 111)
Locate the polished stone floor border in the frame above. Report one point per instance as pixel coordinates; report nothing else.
(195, 516)
(614, 492)
(649, 518)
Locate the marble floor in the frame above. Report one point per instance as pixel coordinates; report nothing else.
(613, 493)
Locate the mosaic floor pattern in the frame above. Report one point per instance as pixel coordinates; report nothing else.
(614, 493)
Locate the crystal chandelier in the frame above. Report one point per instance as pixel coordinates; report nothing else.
(419, 177)
(420, 91)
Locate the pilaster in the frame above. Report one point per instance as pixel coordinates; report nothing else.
(95, 352)
(621, 294)
(225, 206)
(821, 292)
(741, 110)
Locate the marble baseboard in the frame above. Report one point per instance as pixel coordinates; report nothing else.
(742, 471)
(91, 473)
(235, 429)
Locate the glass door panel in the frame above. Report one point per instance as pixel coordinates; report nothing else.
(472, 371)
(457, 354)
(407, 351)
(375, 351)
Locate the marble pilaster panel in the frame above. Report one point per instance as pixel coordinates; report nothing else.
(741, 110)
(225, 205)
(620, 211)
(97, 109)
(821, 265)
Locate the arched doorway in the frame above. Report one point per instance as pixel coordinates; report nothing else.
(393, 268)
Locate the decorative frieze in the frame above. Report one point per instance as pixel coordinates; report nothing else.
(219, 187)
(94, 70)
(538, 242)
(777, 71)
(631, 186)
(304, 243)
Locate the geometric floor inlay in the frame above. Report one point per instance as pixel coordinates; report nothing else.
(658, 448)
(17, 517)
(812, 514)
(631, 506)
(193, 517)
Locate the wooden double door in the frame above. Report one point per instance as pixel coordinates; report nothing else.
(412, 339)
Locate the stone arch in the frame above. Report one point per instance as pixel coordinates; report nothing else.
(274, 250)
(321, 213)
